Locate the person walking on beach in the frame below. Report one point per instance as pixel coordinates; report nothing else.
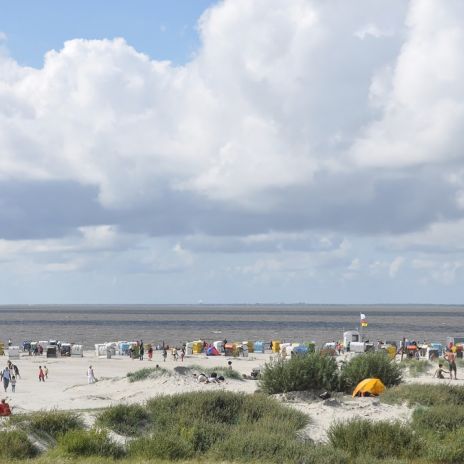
(16, 371)
(150, 352)
(165, 354)
(141, 350)
(41, 374)
(6, 377)
(13, 384)
(90, 375)
(46, 372)
(451, 358)
(182, 354)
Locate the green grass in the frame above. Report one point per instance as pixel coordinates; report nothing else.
(47, 424)
(425, 395)
(125, 419)
(147, 373)
(14, 444)
(416, 367)
(300, 373)
(376, 439)
(224, 371)
(440, 419)
(84, 443)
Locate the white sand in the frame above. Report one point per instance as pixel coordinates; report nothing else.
(67, 388)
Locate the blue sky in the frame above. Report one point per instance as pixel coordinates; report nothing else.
(299, 151)
(164, 30)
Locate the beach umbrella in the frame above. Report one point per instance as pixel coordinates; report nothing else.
(371, 386)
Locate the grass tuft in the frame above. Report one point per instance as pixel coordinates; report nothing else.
(14, 444)
(147, 373)
(125, 419)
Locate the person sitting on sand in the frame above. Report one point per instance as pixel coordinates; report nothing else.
(5, 409)
(439, 372)
(201, 378)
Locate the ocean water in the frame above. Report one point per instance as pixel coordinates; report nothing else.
(173, 324)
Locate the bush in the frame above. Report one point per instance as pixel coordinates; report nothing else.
(48, 423)
(254, 445)
(322, 454)
(425, 395)
(439, 419)
(162, 445)
(15, 444)
(370, 365)
(83, 443)
(147, 373)
(416, 367)
(448, 449)
(300, 373)
(377, 439)
(125, 419)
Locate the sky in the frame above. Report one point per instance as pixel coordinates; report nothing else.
(235, 151)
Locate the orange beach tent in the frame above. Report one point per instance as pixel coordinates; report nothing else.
(371, 386)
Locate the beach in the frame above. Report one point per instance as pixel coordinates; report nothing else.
(67, 388)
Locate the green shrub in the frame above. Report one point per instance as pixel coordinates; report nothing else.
(147, 373)
(15, 444)
(425, 395)
(439, 419)
(377, 439)
(48, 423)
(254, 445)
(300, 373)
(125, 419)
(323, 454)
(164, 444)
(416, 367)
(370, 365)
(84, 443)
(448, 449)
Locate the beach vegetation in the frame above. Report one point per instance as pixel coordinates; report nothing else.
(313, 371)
(125, 419)
(376, 439)
(47, 424)
(370, 365)
(147, 373)
(439, 419)
(194, 368)
(83, 443)
(425, 395)
(15, 444)
(416, 367)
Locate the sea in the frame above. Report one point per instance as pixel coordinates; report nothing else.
(174, 324)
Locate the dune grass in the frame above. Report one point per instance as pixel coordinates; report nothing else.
(300, 373)
(15, 444)
(425, 395)
(376, 439)
(47, 424)
(147, 373)
(416, 367)
(125, 419)
(224, 371)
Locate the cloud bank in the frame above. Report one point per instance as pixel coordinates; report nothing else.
(319, 134)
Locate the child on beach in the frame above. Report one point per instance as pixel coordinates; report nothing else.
(13, 384)
(46, 372)
(41, 374)
(439, 372)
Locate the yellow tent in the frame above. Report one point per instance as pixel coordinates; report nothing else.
(372, 386)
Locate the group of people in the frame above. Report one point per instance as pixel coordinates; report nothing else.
(450, 356)
(9, 376)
